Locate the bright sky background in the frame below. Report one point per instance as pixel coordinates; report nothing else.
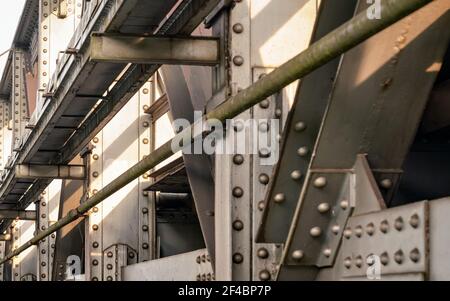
(10, 12)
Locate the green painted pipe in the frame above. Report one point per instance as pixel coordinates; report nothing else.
(326, 49)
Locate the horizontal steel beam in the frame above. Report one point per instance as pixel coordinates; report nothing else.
(37, 171)
(26, 215)
(121, 48)
(342, 39)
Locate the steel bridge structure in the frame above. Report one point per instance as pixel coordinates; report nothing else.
(334, 110)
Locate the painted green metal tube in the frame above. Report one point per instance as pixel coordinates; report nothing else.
(329, 47)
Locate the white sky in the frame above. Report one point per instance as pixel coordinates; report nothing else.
(10, 11)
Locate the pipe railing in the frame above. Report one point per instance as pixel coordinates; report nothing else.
(337, 42)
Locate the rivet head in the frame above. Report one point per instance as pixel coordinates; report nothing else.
(348, 233)
(95, 262)
(384, 226)
(144, 228)
(297, 255)
(323, 207)
(109, 254)
(95, 244)
(398, 257)
(414, 221)
(145, 246)
(370, 229)
(261, 205)
(263, 179)
(238, 225)
(144, 210)
(300, 126)
(335, 229)
(238, 28)
(264, 104)
(348, 262)
(386, 183)
(302, 151)
(315, 231)
(238, 159)
(327, 252)
(264, 275)
(198, 260)
(344, 204)
(263, 253)
(95, 174)
(320, 182)
(95, 140)
(384, 258)
(95, 157)
(278, 113)
(109, 278)
(109, 266)
(358, 231)
(238, 60)
(238, 192)
(399, 223)
(296, 175)
(95, 227)
(414, 255)
(358, 261)
(238, 258)
(279, 198)
(264, 152)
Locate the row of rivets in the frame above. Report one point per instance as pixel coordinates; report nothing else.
(414, 221)
(399, 258)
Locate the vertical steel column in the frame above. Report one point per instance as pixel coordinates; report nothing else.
(93, 224)
(47, 210)
(44, 244)
(146, 248)
(44, 44)
(233, 186)
(2, 254)
(18, 98)
(15, 269)
(5, 132)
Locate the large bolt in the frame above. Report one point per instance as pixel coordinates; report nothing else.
(386, 183)
(399, 223)
(238, 225)
(263, 253)
(370, 229)
(297, 255)
(279, 198)
(263, 179)
(320, 182)
(238, 258)
(323, 207)
(358, 231)
(384, 258)
(264, 275)
(238, 60)
(414, 255)
(238, 159)
(238, 28)
(327, 252)
(302, 151)
(238, 192)
(414, 221)
(296, 175)
(348, 262)
(300, 126)
(315, 231)
(384, 226)
(398, 257)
